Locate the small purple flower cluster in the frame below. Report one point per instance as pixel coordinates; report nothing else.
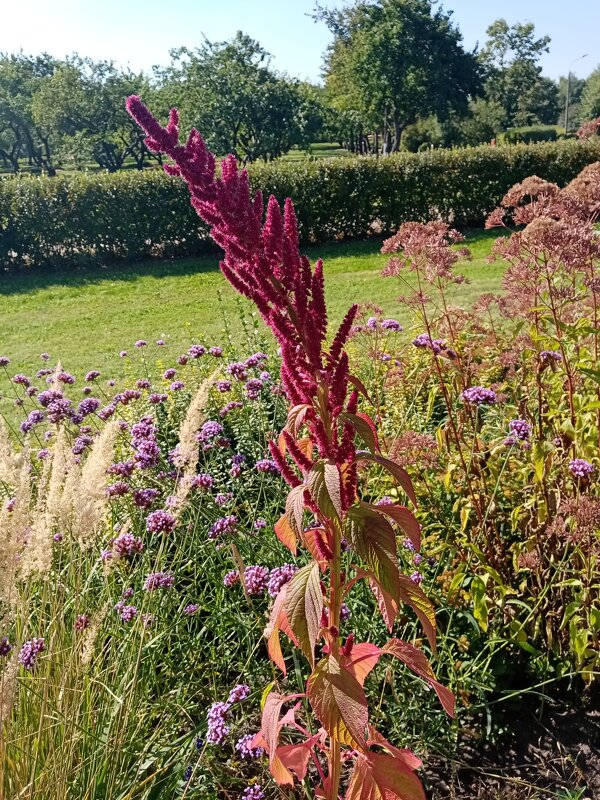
(127, 613)
(279, 576)
(478, 396)
(160, 522)
(34, 418)
(30, 651)
(229, 407)
(202, 481)
(126, 545)
(217, 725)
(5, 646)
(191, 609)
(256, 578)
(209, 431)
(424, 341)
(143, 441)
(159, 580)
(253, 792)
(520, 429)
(580, 468)
(246, 750)
(266, 465)
(223, 526)
(143, 498)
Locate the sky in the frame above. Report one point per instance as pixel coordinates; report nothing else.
(140, 33)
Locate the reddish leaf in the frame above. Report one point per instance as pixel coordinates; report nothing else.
(278, 621)
(285, 533)
(373, 538)
(295, 418)
(377, 776)
(394, 469)
(365, 429)
(416, 660)
(415, 597)
(323, 483)
(303, 606)
(295, 758)
(403, 517)
(339, 702)
(269, 729)
(362, 659)
(388, 606)
(294, 508)
(309, 537)
(358, 384)
(306, 446)
(409, 758)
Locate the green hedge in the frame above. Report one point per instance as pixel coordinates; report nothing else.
(531, 135)
(134, 216)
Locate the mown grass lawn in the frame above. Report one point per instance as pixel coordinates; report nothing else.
(85, 317)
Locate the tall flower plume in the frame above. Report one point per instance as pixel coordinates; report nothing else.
(262, 261)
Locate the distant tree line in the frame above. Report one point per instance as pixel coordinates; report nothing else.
(395, 76)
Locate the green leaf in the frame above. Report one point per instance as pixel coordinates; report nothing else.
(303, 607)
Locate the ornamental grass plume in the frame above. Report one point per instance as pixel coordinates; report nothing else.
(316, 455)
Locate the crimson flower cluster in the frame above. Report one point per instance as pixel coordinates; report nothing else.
(263, 263)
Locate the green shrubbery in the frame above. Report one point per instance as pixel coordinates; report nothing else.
(531, 135)
(126, 216)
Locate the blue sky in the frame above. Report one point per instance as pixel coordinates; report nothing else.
(141, 32)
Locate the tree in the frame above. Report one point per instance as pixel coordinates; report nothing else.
(228, 90)
(590, 97)
(392, 62)
(21, 135)
(83, 103)
(513, 77)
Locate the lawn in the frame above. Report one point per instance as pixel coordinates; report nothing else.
(84, 317)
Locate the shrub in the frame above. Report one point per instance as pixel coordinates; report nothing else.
(135, 216)
(530, 135)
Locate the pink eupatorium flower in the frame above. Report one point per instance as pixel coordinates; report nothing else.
(262, 261)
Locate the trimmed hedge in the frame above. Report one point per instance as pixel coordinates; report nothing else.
(531, 135)
(135, 216)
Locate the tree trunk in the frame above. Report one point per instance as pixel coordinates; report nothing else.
(398, 128)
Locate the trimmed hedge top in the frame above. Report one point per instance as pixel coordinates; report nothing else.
(135, 216)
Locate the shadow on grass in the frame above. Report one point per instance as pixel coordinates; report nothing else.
(82, 275)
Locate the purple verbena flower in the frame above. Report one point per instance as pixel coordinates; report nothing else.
(217, 726)
(580, 468)
(126, 544)
(190, 609)
(279, 576)
(478, 396)
(143, 498)
(5, 646)
(255, 578)
(266, 465)
(127, 613)
(159, 580)
(29, 652)
(197, 351)
(160, 522)
(231, 578)
(520, 428)
(238, 693)
(253, 792)
(202, 481)
(246, 750)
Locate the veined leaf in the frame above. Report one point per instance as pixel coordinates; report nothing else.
(405, 519)
(399, 473)
(269, 730)
(339, 702)
(415, 597)
(278, 621)
(378, 776)
(294, 508)
(362, 659)
(303, 606)
(374, 540)
(365, 429)
(295, 418)
(285, 533)
(417, 661)
(323, 483)
(409, 758)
